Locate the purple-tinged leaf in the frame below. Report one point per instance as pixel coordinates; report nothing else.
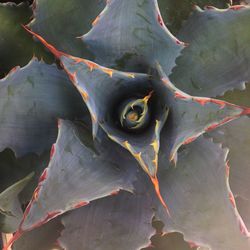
(218, 56)
(101, 88)
(119, 222)
(75, 16)
(201, 203)
(236, 137)
(32, 98)
(190, 116)
(130, 35)
(10, 207)
(78, 173)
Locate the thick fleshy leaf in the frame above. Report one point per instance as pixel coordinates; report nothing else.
(78, 173)
(192, 116)
(102, 90)
(199, 197)
(130, 35)
(16, 47)
(236, 137)
(10, 207)
(42, 238)
(74, 16)
(31, 100)
(218, 56)
(175, 12)
(119, 222)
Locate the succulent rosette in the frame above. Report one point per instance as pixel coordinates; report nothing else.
(135, 125)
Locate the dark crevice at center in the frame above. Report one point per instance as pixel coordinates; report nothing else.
(133, 114)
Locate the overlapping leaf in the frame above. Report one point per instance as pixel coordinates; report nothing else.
(102, 89)
(75, 17)
(218, 56)
(191, 116)
(199, 198)
(200, 172)
(31, 100)
(78, 173)
(130, 35)
(120, 222)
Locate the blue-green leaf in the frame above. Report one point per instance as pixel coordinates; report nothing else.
(32, 98)
(218, 56)
(78, 173)
(130, 35)
(198, 196)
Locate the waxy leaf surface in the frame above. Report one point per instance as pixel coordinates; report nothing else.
(31, 100)
(120, 222)
(78, 173)
(130, 35)
(191, 116)
(218, 56)
(198, 195)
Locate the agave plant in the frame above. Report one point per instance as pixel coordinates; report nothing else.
(136, 136)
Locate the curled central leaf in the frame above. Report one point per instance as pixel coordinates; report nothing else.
(135, 113)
